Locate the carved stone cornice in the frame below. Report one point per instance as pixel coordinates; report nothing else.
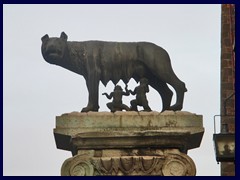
(102, 130)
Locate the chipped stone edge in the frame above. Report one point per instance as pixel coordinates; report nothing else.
(129, 113)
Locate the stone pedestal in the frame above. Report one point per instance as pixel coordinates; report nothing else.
(128, 143)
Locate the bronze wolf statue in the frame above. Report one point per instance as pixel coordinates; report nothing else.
(104, 61)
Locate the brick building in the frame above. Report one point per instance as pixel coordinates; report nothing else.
(228, 76)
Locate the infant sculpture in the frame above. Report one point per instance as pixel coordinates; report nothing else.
(141, 98)
(104, 61)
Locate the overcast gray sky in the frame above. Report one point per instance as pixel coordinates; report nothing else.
(35, 91)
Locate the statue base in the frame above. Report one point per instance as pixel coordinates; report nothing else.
(129, 143)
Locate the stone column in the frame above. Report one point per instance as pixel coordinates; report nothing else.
(129, 143)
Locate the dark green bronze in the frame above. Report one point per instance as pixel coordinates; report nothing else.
(105, 61)
(117, 104)
(141, 98)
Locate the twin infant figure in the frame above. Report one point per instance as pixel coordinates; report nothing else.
(141, 99)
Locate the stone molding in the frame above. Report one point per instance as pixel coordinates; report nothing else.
(99, 130)
(167, 163)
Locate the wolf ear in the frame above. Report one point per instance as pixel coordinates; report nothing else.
(45, 37)
(64, 36)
